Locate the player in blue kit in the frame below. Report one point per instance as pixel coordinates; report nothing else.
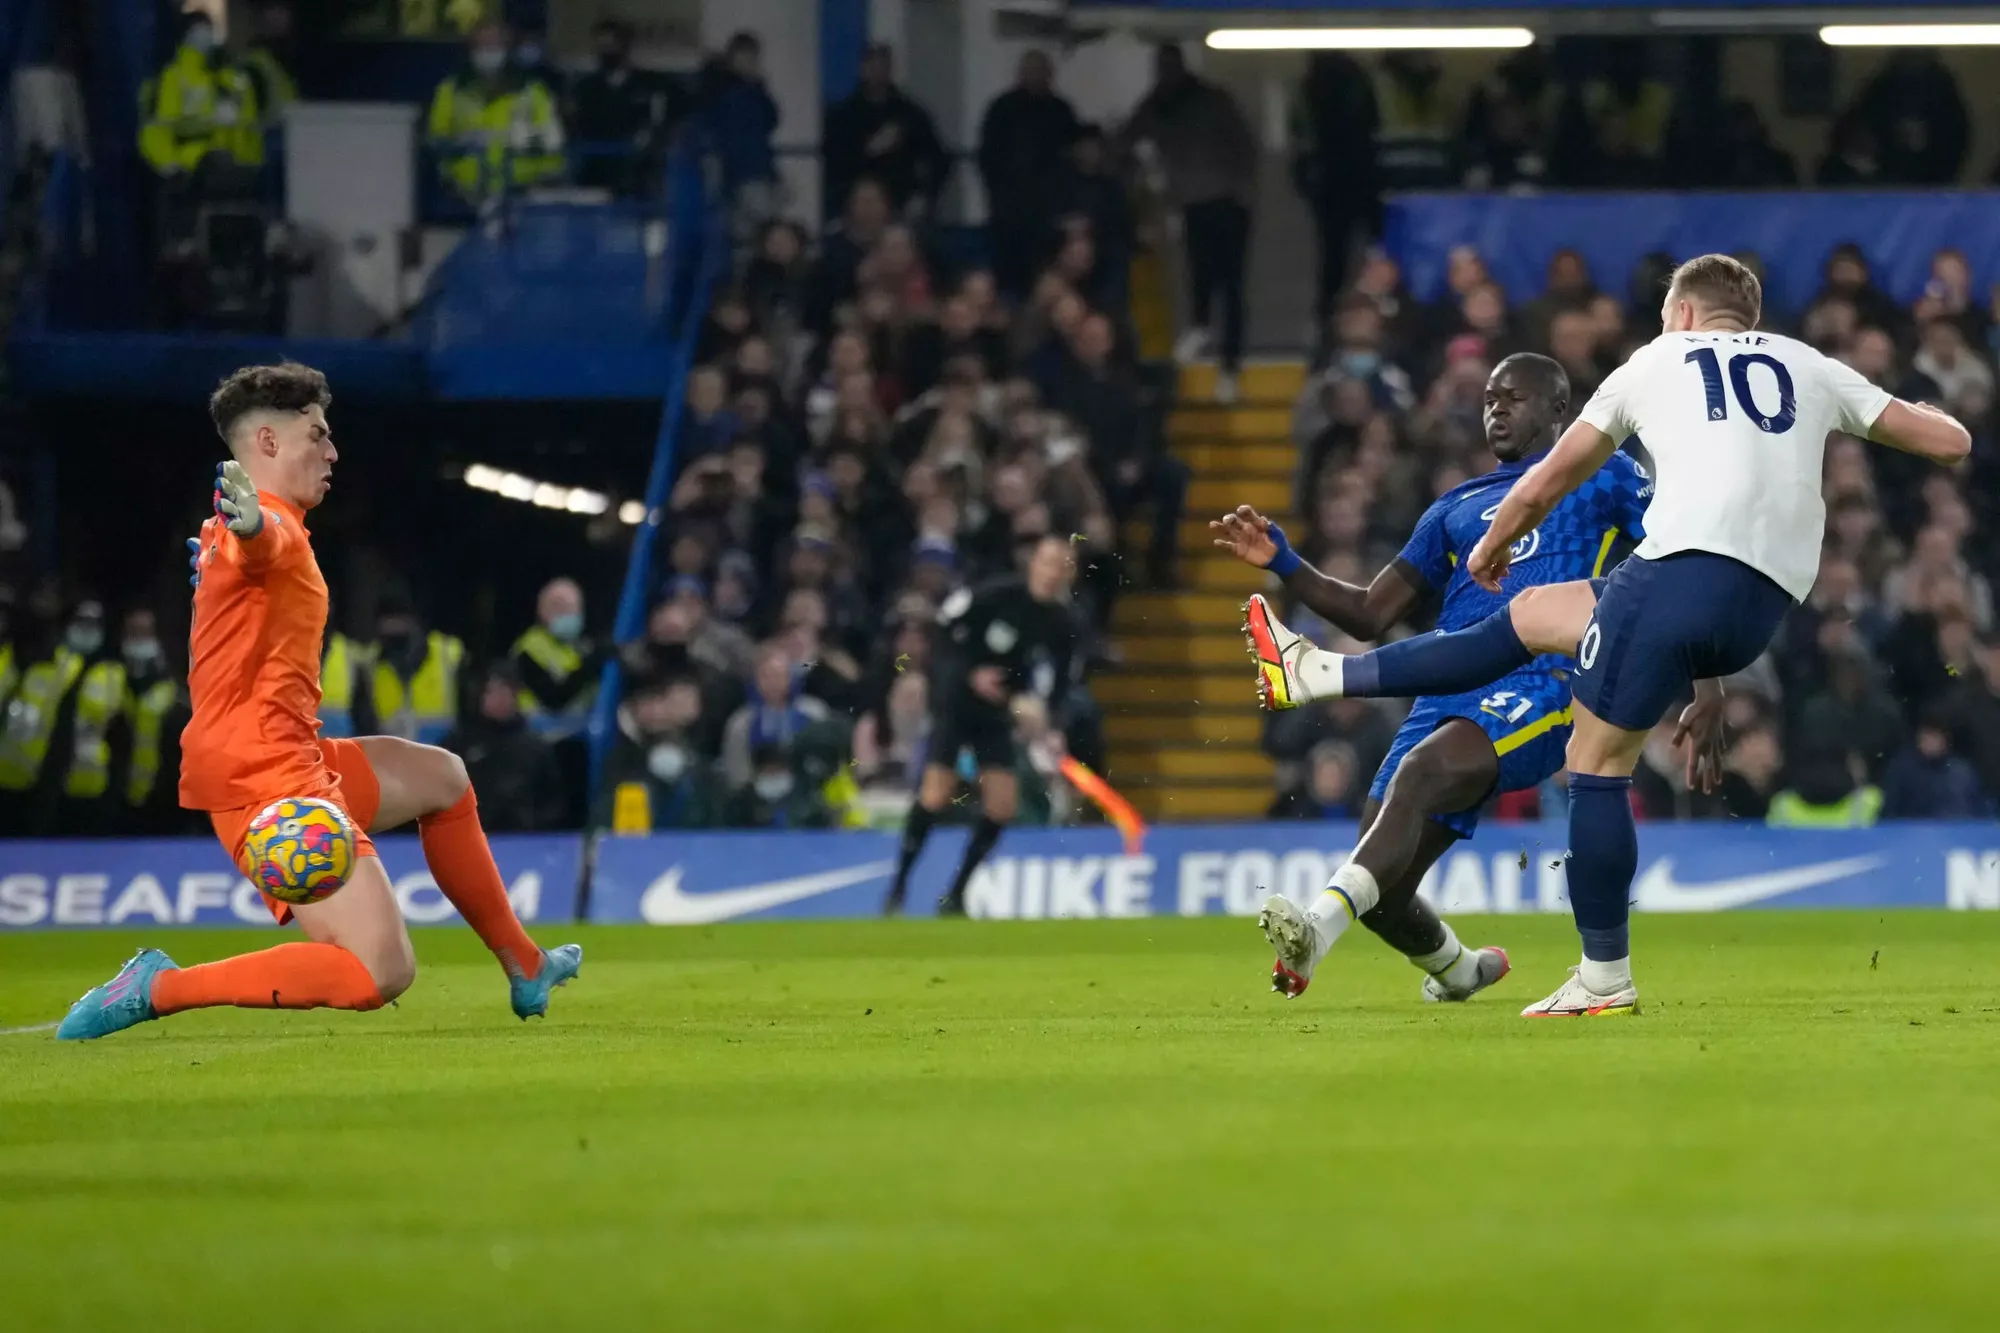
(1454, 750)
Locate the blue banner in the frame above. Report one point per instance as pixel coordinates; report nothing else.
(189, 882)
(1197, 870)
(1793, 232)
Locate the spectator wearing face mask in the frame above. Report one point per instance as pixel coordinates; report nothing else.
(146, 743)
(556, 663)
(491, 126)
(619, 106)
(655, 776)
(404, 684)
(55, 752)
(776, 796)
(201, 104)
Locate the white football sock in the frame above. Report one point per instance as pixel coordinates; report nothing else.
(1451, 962)
(1351, 892)
(1606, 978)
(1319, 672)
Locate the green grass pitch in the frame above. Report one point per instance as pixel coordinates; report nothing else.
(1071, 1125)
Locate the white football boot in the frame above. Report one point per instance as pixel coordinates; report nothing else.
(1299, 941)
(1492, 965)
(1277, 651)
(1573, 999)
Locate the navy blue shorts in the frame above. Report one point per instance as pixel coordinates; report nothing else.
(1526, 716)
(1663, 624)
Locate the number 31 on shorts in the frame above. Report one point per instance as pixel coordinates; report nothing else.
(1506, 704)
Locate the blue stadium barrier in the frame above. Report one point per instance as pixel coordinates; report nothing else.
(1186, 870)
(189, 882)
(699, 248)
(1199, 870)
(1793, 232)
(185, 367)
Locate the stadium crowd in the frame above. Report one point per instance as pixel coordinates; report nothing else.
(881, 415)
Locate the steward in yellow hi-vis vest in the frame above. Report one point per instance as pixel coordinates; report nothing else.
(491, 127)
(202, 102)
(406, 684)
(1858, 809)
(442, 18)
(1416, 130)
(557, 665)
(146, 753)
(30, 722)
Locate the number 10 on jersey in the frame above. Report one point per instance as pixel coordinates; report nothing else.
(1775, 423)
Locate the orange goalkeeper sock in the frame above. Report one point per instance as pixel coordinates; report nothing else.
(462, 864)
(291, 976)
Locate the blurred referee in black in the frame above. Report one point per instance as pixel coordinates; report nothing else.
(1012, 636)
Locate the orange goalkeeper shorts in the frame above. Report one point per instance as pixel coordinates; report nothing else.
(346, 780)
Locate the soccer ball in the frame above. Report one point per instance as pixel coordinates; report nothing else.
(301, 850)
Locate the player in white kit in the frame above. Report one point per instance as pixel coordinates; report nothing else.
(1736, 422)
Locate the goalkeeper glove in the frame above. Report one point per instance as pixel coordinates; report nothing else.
(236, 500)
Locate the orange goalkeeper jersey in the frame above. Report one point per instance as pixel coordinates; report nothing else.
(253, 665)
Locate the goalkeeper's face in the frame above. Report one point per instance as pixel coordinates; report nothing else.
(302, 461)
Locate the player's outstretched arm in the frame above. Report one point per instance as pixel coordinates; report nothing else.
(1365, 613)
(1923, 430)
(236, 500)
(1582, 450)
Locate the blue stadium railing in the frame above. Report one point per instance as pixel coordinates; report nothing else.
(699, 253)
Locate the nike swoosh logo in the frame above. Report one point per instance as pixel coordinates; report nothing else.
(665, 903)
(1658, 891)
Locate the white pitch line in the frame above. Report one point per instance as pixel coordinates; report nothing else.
(32, 1027)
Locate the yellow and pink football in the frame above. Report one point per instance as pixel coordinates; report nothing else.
(300, 850)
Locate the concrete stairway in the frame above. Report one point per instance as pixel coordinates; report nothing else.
(1181, 714)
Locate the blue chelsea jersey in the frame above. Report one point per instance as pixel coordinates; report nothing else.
(1573, 542)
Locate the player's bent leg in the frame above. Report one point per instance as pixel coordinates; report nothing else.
(357, 957)
(1453, 972)
(1597, 747)
(430, 785)
(999, 799)
(1291, 671)
(1552, 617)
(1450, 770)
(364, 920)
(414, 780)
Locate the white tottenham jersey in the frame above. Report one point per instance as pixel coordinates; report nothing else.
(1736, 424)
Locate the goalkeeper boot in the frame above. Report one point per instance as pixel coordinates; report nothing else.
(122, 1002)
(530, 995)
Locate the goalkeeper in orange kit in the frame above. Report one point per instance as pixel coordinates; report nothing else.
(260, 610)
